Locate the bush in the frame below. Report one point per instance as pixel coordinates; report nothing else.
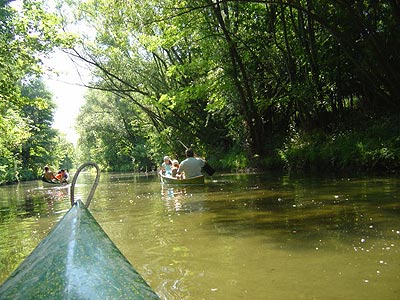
(374, 146)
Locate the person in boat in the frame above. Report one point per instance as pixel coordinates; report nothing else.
(175, 167)
(48, 175)
(66, 175)
(191, 166)
(60, 175)
(166, 167)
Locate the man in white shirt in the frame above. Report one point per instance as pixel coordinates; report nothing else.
(191, 166)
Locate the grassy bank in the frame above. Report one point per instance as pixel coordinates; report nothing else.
(372, 144)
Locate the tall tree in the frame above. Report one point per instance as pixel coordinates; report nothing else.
(243, 76)
(26, 35)
(44, 146)
(113, 133)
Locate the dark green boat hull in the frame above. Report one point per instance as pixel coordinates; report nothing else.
(76, 260)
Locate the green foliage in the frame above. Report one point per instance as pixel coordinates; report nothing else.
(26, 139)
(25, 35)
(111, 135)
(13, 132)
(234, 160)
(237, 78)
(374, 147)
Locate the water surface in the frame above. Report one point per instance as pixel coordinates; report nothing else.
(258, 236)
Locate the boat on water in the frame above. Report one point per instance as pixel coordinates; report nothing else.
(173, 180)
(77, 260)
(54, 183)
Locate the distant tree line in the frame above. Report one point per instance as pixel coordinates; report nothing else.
(27, 141)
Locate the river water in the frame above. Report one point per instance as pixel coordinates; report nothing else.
(249, 236)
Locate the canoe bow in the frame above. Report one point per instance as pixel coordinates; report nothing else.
(77, 260)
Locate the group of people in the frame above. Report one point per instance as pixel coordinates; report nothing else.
(188, 168)
(61, 176)
(169, 167)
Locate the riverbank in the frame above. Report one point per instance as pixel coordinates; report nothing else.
(356, 144)
(366, 145)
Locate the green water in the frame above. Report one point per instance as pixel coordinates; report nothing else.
(238, 237)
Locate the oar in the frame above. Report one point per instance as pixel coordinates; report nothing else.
(183, 144)
(208, 169)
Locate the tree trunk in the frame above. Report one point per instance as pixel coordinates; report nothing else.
(243, 85)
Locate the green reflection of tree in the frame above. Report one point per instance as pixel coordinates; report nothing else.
(25, 218)
(305, 213)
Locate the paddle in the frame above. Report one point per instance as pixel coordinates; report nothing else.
(207, 168)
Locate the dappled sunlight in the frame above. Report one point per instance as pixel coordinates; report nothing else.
(238, 236)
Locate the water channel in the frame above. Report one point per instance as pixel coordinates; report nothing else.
(240, 236)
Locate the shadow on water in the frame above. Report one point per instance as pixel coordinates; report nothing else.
(132, 177)
(294, 212)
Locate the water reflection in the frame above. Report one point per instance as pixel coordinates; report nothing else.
(33, 202)
(27, 213)
(36, 199)
(173, 197)
(258, 236)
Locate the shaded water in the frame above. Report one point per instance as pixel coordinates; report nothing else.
(238, 237)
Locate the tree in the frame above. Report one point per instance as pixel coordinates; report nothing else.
(44, 146)
(113, 134)
(238, 77)
(26, 35)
